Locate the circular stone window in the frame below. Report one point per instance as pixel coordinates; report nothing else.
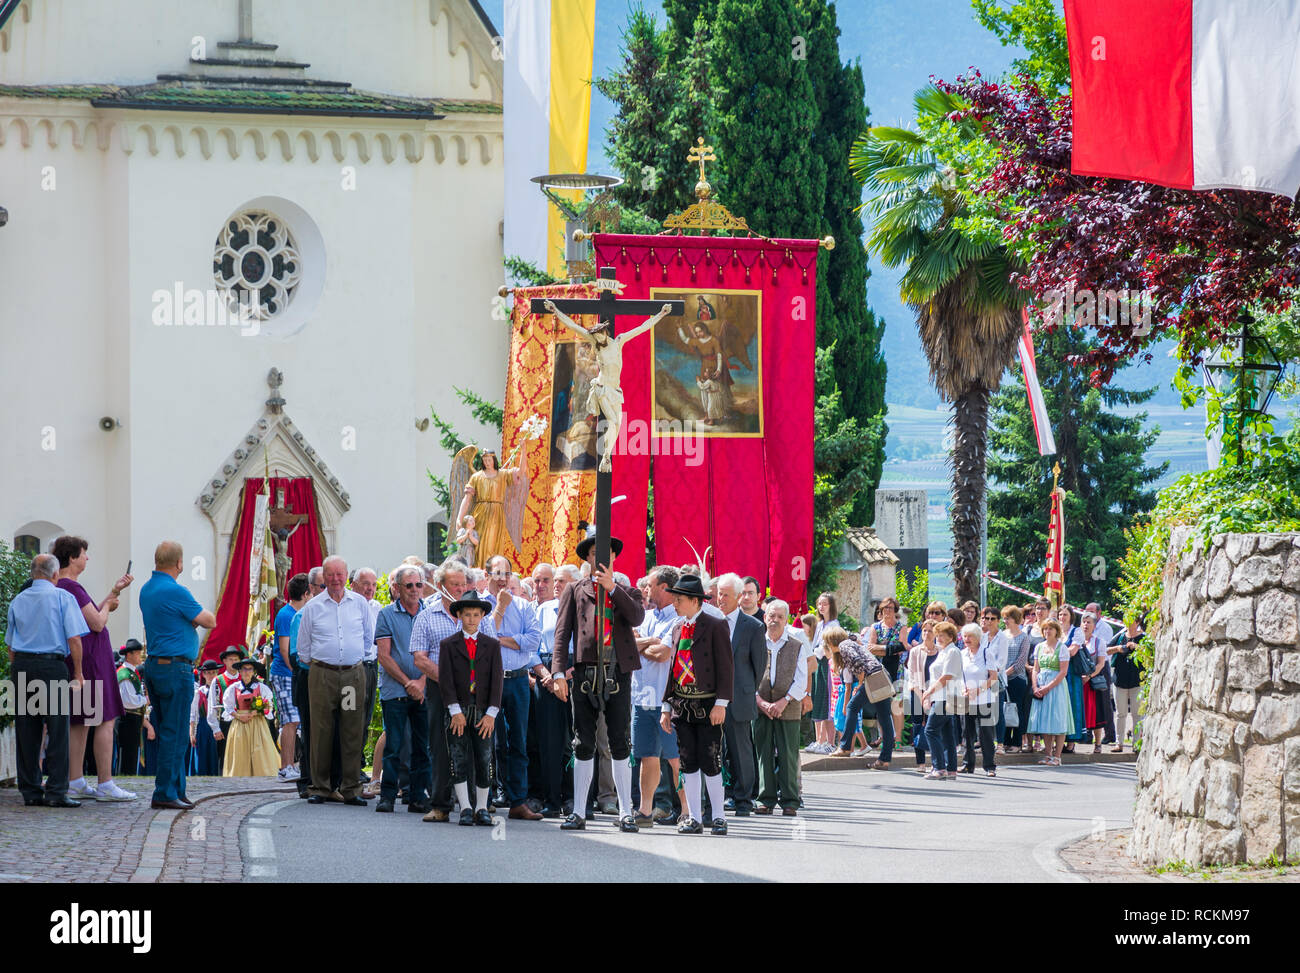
(257, 263)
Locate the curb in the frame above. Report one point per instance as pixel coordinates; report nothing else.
(1047, 855)
(153, 854)
(818, 762)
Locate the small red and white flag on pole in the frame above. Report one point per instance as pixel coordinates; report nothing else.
(1037, 407)
(1054, 582)
(1193, 94)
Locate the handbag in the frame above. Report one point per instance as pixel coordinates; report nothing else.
(878, 685)
(1011, 714)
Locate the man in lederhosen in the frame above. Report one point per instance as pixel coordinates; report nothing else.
(695, 700)
(576, 616)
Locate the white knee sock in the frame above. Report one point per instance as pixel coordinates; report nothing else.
(691, 796)
(623, 784)
(462, 794)
(582, 771)
(714, 784)
(482, 793)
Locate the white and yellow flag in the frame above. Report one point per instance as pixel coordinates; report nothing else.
(548, 66)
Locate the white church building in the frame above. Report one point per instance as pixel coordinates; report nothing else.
(337, 168)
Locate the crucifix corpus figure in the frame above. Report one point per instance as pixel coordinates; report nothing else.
(606, 396)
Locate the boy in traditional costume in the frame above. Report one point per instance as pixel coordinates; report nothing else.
(470, 678)
(695, 700)
(130, 684)
(218, 719)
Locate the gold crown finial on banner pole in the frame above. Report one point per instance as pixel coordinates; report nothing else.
(706, 213)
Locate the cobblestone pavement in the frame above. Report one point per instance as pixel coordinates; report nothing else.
(1107, 860)
(123, 842)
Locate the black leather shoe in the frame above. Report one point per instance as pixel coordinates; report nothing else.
(628, 824)
(168, 805)
(551, 812)
(719, 826)
(743, 812)
(483, 817)
(355, 801)
(574, 823)
(566, 808)
(689, 826)
(185, 802)
(34, 801)
(466, 818)
(384, 807)
(420, 807)
(316, 799)
(62, 802)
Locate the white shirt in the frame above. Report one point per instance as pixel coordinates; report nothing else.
(713, 610)
(649, 682)
(995, 649)
(799, 685)
(372, 651)
(337, 633)
(975, 672)
(1105, 631)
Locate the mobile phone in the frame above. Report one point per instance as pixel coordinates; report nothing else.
(128, 565)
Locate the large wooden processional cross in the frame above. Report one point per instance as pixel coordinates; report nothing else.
(606, 307)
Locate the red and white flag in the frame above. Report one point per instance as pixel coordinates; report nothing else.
(1193, 94)
(1037, 407)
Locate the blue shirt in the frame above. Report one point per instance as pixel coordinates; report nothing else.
(395, 623)
(43, 618)
(649, 682)
(283, 622)
(520, 623)
(169, 611)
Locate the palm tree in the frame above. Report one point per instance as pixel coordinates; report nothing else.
(957, 283)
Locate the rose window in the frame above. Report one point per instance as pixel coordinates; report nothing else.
(257, 264)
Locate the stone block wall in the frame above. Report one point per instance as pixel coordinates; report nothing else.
(1219, 771)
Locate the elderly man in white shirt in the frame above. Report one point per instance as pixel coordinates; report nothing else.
(779, 696)
(334, 635)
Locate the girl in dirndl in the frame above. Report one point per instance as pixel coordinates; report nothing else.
(250, 751)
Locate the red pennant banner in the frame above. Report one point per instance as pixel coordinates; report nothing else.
(720, 402)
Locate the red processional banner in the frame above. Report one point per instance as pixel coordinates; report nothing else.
(719, 402)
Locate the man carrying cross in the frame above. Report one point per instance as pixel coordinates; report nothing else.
(621, 611)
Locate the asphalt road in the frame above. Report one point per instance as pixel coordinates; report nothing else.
(856, 826)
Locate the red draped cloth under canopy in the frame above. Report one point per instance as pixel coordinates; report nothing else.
(306, 551)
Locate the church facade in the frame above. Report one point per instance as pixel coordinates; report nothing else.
(241, 237)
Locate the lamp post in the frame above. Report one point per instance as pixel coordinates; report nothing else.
(1255, 377)
(575, 226)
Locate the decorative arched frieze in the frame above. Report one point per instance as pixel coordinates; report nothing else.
(479, 49)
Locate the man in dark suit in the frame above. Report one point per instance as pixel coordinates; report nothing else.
(576, 618)
(700, 684)
(471, 685)
(749, 654)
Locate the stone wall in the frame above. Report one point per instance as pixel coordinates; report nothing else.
(1219, 771)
